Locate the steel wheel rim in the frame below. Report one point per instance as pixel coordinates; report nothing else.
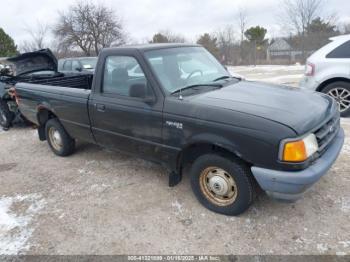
(55, 138)
(342, 96)
(218, 186)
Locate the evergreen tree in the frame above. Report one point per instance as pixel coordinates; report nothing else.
(7, 45)
(210, 43)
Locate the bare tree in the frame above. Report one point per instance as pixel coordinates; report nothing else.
(226, 43)
(38, 37)
(346, 28)
(242, 20)
(298, 15)
(89, 27)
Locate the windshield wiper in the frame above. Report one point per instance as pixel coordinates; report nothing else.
(192, 86)
(221, 78)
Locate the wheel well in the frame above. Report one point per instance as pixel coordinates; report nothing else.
(332, 80)
(192, 152)
(43, 116)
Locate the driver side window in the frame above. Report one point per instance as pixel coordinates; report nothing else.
(121, 75)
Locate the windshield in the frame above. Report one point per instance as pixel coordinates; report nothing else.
(89, 63)
(181, 67)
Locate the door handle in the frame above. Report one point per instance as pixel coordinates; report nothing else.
(100, 107)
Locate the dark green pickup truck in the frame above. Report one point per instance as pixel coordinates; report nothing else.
(175, 104)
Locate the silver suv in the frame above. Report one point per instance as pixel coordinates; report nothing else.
(328, 71)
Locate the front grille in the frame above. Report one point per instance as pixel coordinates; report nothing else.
(327, 132)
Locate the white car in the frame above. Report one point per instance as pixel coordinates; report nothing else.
(328, 71)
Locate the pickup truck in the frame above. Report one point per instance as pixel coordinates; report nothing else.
(176, 105)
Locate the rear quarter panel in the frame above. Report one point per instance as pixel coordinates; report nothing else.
(332, 68)
(68, 104)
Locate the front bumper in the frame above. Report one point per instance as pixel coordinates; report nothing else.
(290, 185)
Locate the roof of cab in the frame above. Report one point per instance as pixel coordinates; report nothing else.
(145, 47)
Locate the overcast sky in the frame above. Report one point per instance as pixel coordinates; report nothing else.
(143, 18)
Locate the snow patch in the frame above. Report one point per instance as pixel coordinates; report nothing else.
(345, 244)
(83, 171)
(177, 206)
(346, 147)
(15, 229)
(279, 74)
(322, 248)
(278, 78)
(345, 204)
(340, 253)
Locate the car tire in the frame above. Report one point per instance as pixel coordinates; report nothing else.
(340, 91)
(222, 185)
(58, 139)
(6, 116)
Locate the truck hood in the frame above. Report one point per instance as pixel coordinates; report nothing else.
(298, 109)
(42, 60)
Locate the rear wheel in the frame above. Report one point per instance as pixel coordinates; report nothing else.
(6, 116)
(59, 140)
(340, 92)
(222, 185)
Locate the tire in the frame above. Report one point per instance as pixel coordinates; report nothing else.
(59, 140)
(209, 171)
(6, 116)
(340, 91)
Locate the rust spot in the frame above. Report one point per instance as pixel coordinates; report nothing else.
(7, 167)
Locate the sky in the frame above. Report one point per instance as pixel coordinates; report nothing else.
(143, 18)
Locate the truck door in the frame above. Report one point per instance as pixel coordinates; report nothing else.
(125, 110)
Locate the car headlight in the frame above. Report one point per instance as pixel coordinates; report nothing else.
(299, 150)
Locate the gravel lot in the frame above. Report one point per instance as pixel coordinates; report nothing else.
(101, 202)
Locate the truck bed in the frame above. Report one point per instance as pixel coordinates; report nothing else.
(74, 81)
(66, 97)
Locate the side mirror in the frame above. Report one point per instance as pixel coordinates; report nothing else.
(139, 90)
(79, 69)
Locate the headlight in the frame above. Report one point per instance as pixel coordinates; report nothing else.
(300, 150)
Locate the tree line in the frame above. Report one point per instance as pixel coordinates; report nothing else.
(85, 28)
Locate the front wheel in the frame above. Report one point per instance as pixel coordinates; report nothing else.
(59, 140)
(340, 92)
(222, 185)
(6, 116)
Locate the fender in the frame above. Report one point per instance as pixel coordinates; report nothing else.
(44, 106)
(325, 80)
(220, 142)
(216, 140)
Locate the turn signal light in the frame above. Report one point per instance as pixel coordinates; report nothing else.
(299, 150)
(294, 152)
